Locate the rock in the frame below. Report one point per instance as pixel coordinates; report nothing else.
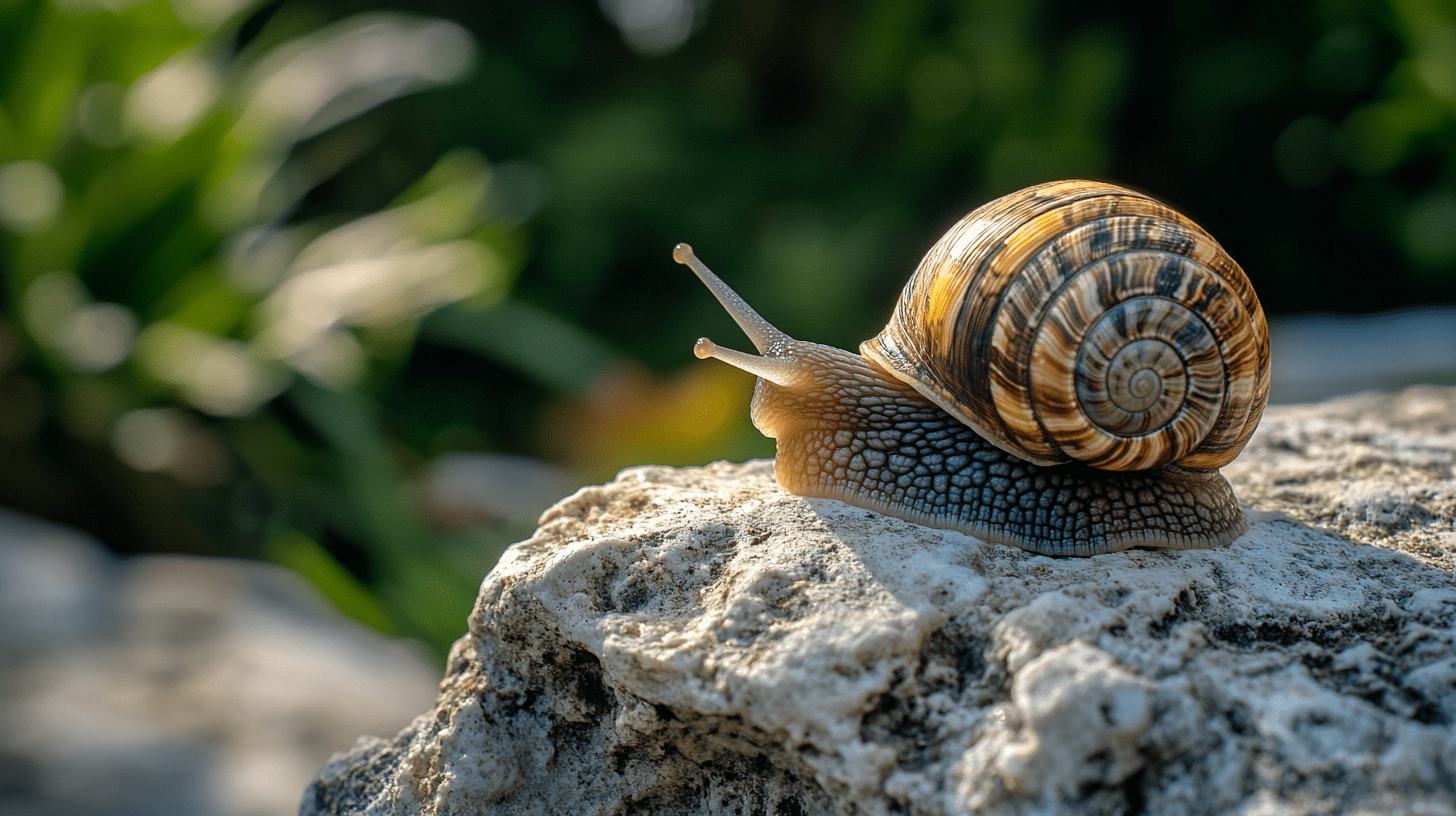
(164, 685)
(698, 641)
(1376, 468)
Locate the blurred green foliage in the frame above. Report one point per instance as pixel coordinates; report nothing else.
(268, 266)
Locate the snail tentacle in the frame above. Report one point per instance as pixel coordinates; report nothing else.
(764, 335)
(777, 369)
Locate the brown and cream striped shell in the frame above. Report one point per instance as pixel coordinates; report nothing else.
(1080, 321)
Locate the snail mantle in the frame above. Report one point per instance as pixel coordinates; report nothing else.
(699, 641)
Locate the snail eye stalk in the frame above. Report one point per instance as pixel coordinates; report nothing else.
(764, 335)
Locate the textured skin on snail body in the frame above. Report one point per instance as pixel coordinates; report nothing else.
(931, 426)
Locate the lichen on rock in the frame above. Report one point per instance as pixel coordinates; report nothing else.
(698, 641)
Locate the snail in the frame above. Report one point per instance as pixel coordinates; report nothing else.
(1065, 372)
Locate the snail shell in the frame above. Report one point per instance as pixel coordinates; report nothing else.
(1080, 321)
(1063, 372)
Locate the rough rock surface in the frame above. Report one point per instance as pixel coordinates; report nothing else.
(1376, 468)
(700, 642)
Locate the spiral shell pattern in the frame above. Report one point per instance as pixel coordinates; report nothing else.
(1080, 321)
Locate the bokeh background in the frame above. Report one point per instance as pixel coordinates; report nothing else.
(358, 287)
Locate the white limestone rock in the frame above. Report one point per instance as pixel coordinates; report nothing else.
(1378, 468)
(698, 641)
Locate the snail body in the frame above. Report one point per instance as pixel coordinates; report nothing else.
(1064, 372)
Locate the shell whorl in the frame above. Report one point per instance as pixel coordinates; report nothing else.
(1080, 321)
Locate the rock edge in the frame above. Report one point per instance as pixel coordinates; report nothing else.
(699, 641)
